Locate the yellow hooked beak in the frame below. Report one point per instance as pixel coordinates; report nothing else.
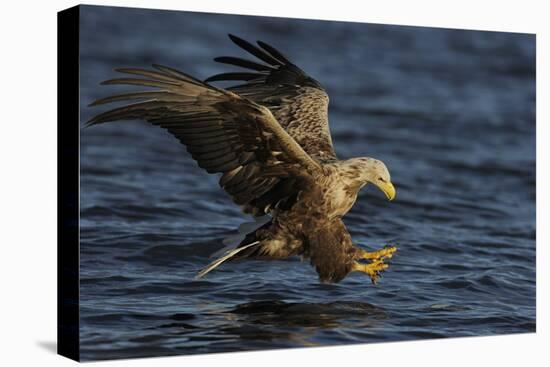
(387, 188)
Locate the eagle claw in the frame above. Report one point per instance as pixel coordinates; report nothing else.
(385, 253)
(373, 269)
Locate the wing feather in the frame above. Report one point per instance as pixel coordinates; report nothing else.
(243, 63)
(297, 101)
(224, 132)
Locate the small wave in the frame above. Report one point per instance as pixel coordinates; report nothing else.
(446, 307)
(110, 279)
(488, 168)
(457, 267)
(132, 212)
(167, 254)
(456, 284)
(116, 317)
(424, 334)
(443, 248)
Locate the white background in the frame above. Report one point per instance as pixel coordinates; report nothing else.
(28, 182)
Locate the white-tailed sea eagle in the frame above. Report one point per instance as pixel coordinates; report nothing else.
(269, 138)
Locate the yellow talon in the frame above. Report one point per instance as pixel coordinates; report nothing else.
(384, 253)
(373, 269)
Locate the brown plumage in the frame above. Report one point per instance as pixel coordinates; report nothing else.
(269, 139)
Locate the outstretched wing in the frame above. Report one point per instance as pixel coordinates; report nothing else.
(297, 101)
(225, 133)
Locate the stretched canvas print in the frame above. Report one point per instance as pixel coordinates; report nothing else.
(206, 204)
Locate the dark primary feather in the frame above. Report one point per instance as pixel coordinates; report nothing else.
(243, 63)
(297, 101)
(276, 53)
(224, 133)
(261, 54)
(234, 76)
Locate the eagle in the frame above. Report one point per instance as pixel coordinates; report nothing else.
(268, 136)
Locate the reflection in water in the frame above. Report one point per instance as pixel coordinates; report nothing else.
(298, 322)
(308, 315)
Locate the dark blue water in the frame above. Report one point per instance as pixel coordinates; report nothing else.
(451, 113)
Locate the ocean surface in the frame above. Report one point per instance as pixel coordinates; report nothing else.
(451, 113)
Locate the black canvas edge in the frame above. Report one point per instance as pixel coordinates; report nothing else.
(68, 153)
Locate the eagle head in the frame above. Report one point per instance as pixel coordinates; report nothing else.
(370, 170)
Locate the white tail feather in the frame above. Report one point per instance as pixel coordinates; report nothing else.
(244, 229)
(213, 265)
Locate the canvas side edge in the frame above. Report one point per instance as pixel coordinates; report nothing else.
(68, 150)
